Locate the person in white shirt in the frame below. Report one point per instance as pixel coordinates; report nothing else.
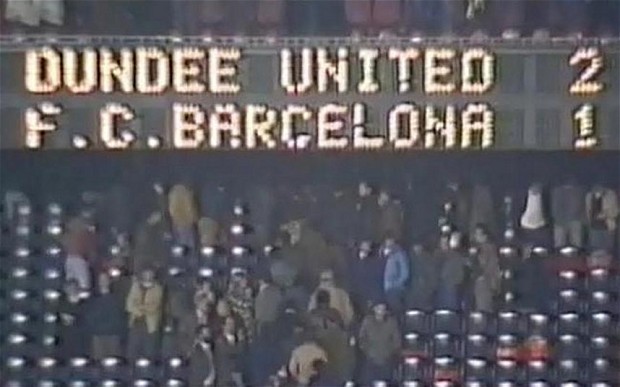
(533, 220)
(76, 268)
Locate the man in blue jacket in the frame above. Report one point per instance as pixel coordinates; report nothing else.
(395, 275)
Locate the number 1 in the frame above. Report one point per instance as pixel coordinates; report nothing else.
(583, 119)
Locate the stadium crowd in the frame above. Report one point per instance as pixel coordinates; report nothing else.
(509, 18)
(308, 287)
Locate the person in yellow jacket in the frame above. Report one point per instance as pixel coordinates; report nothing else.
(144, 305)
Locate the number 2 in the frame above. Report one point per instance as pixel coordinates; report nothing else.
(586, 82)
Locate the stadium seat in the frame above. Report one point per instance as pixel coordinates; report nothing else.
(570, 371)
(568, 301)
(479, 347)
(570, 347)
(446, 370)
(416, 344)
(415, 370)
(480, 323)
(447, 321)
(478, 372)
(540, 371)
(509, 323)
(540, 324)
(570, 323)
(601, 371)
(601, 324)
(416, 321)
(508, 371)
(446, 345)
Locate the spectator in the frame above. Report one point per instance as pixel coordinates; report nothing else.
(456, 205)
(208, 231)
(205, 301)
(267, 305)
(366, 213)
(74, 335)
(482, 210)
(487, 280)
(76, 268)
(568, 213)
(79, 243)
(106, 320)
(339, 298)
(230, 347)
(283, 272)
(151, 249)
(201, 359)
(301, 365)
(309, 252)
(424, 279)
(532, 293)
(183, 215)
(144, 305)
(330, 334)
(181, 321)
(366, 272)
(323, 316)
(240, 297)
(390, 217)
(396, 274)
(380, 343)
(533, 219)
(262, 212)
(35, 13)
(602, 213)
(452, 273)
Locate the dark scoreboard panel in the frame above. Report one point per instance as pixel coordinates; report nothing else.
(310, 94)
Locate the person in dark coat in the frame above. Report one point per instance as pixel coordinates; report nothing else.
(267, 304)
(366, 212)
(230, 351)
(380, 342)
(366, 272)
(568, 214)
(106, 320)
(74, 336)
(456, 206)
(487, 280)
(602, 214)
(532, 294)
(482, 209)
(452, 273)
(330, 334)
(390, 217)
(202, 360)
(425, 277)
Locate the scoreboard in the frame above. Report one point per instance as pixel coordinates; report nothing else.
(309, 94)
